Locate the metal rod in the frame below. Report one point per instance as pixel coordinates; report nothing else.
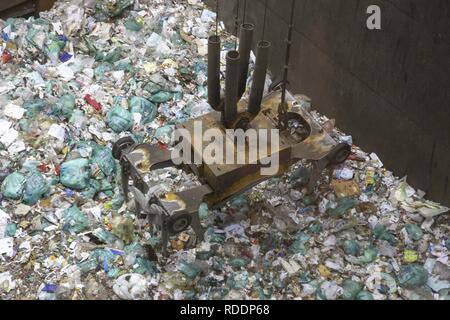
(288, 53)
(264, 21)
(244, 18)
(245, 46)
(259, 77)
(236, 25)
(231, 88)
(214, 47)
(217, 17)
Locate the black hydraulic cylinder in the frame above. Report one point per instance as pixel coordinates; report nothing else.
(259, 77)
(214, 72)
(231, 88)
(245, 46)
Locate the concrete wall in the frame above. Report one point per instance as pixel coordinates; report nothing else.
(389, 88)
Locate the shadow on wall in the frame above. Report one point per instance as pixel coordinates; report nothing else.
(389, 88)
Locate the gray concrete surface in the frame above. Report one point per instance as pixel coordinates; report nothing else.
(389, 88)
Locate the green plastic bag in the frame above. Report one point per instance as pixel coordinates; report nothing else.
(203, 211)
(118, 201)
(364, 295)
(147, 109)
(414, 232)
(133, 24)
(88, 265)
(351, 289)
(30, 166)
(75, 174)
(161, 97)
(299, 245)
(24, 124)
(239, 262)
(190, 270)
(113, 10)
(34, 107)
(152, 87)
(124, 65)
(102, 156)
(352, 248)
(77, 117)
(119, 119)
(103, 68)
(113, 55)
(92, 189)
(75, 220)
(144, 266)
(380, 232)
(343, 205)
(35, 188)
(412, 276)
(13, 186)
(105, 236)
(164, 134)
(11, 229)
(106, 186)
(52, 50)
(240, 204)
(369, 256)
(215, 237)
(65, 106)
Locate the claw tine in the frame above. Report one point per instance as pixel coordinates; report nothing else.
(140, 198)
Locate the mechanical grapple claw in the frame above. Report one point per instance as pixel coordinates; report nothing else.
(300, 138)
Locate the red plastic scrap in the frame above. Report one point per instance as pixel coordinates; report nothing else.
(6, 56)
(354, 157)
(42, 167)
(162, 145)
(91, 101)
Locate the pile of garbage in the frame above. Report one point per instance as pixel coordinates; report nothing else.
(87, 73)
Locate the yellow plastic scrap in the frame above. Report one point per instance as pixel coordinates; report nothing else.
(186, 37)
(107, 205)
(370, 177)
(410, 256)
(66, 150)
(344, 189)
(324, 271)
(178, 245)
(169, 63)
(140, 20)
(107, 223)
(11, 46)
(150, 67)
(24, 224)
